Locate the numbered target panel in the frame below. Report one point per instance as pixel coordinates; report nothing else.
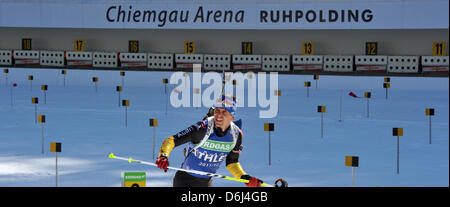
(307, 62)
(160, 61)
(217, 62)
(26, 57)
(5, 57)
(371, 63)
(247, 62)
(52, 58)
(403, 64)
(435, 63)
(79, 58)
(186, 61)
(105, 59)
(338, 63)
(138, 60)
(276, 62)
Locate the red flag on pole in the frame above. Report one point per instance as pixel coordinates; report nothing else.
(353, 95)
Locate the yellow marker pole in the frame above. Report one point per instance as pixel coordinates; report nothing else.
(278, 93)
(44, 88)
(95, 80)
(165, 81)
(386, 85)
(35, 101)
(56, 147)
(30, 78)
(429, 112)
(352, 161)
(6, 71)
(126, 103)
(41, 119)
(398, 132)
(321, 110)
(63, 72)
(119, 89)
(316, 77)
(269, 127)
(11, 93)
(307, 85)
(154, 123)
(367, 95)
(122, 73)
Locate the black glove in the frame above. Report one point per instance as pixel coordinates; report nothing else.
(254, 182)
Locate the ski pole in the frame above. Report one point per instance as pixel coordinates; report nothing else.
(131, 160)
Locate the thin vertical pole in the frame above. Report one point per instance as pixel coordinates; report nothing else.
(119, 99)
(316, 84)
(123, 81)
(430, 129)
(269, 151)
(367, 108)
(42, 137)
(167, 97)
(126, 116)
(6, 81)
(154, 143)
(11, 97)
(340, 107)
(321, 125)
(35, 113)
(386, 93)
(95, 86)
(353, 177)
(56, 169)
(64, 80)
(307, 92)
(45, 97)
(31, 85)
(398, 154)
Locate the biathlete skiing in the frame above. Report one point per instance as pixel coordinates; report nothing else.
(211, 141)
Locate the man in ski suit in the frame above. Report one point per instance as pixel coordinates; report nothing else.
(211, 141)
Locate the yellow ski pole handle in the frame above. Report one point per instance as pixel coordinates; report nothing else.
(131, 160)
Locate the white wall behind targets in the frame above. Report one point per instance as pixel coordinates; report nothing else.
(364, 14)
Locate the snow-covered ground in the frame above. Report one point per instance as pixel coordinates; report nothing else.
(90, 125)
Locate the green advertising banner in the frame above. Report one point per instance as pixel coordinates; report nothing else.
(134, 179)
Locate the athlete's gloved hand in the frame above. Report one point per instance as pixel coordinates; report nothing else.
(254, 182)
(163, 163)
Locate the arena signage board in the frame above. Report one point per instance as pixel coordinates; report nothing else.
(213, 14)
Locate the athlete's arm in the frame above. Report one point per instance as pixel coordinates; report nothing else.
(235, 168)
(232, 160)
(192, 134)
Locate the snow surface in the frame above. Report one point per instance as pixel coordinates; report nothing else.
(90, 125)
